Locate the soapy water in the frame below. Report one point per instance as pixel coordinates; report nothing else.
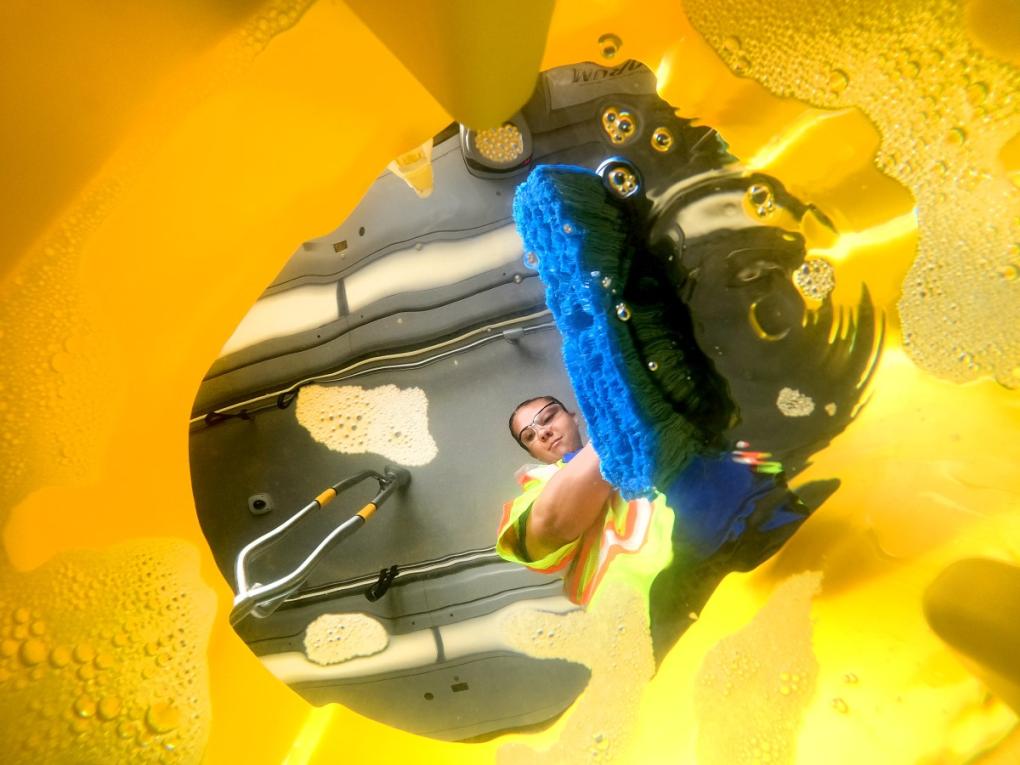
(66, 442)
(755, 685)
(386, 420)
(336, 638)
(851, 83)
(102, 658)
(612, 639)
(945, 111)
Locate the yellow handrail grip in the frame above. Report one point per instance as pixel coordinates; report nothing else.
(326, 497)
(367, 510)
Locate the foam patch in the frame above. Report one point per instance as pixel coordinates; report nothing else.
(103, 657)
(613, 641)
(755, 685)
(387, 420)
(336, 638)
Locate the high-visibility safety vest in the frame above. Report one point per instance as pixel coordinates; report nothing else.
(631, 545)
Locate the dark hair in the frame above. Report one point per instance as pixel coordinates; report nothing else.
(548, 399)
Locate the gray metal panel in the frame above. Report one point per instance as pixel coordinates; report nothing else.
(464, 698)
(410, 604)
(453, 503)
(396, 323)
(393, 218)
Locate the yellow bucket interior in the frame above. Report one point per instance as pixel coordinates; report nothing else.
(163, 161)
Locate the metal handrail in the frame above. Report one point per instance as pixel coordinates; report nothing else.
(261, 600)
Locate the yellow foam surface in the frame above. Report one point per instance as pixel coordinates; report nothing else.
(754, 685)
(613, 641)
(261, 127)
(103, 657)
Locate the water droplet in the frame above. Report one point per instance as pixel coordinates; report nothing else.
(84, 706)
(518, 278)
(38, 628)
(607, 282)
(60, 657)
(957, 136)
(1009, 272)
(977, 92)
(623, 312)
(103, 661)
(759, 194)
(22, 615)
(108, 708)
(653, 366)
(731, 44)
(568, 229)
(127, 729)
(162, 717)
(609, 45)
(840, 706)
(838, 81)
(662, 139)
(84, 653)
(33, 652)
(741, 65)
(9, 647)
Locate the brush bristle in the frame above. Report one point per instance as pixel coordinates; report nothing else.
(644, 424)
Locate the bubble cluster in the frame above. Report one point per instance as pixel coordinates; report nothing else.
(760, 199)
(619, 124)
(814, 279)
(386, 420)
(753, 687)
(46, 435)
(612, 639)
(945, 110)
(793, 403)
(336, 638)
(103, 657)
(502, 144)
(271, 19)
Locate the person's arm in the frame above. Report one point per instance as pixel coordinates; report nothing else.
(569, 504)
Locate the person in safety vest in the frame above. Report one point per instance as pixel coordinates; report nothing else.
(723, 513)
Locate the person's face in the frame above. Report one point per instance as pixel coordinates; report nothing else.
(547, 430)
